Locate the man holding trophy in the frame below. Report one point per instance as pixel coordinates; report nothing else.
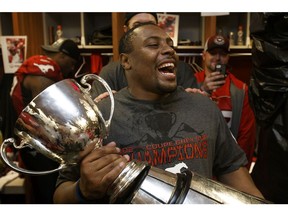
(157, 123)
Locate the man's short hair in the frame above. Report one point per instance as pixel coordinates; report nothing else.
(128, 16)
(125, 44)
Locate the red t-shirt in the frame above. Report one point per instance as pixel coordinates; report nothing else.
(38, 65)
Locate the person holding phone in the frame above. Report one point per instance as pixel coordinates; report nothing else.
(229, 93)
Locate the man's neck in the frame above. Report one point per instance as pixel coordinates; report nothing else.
(145, 95)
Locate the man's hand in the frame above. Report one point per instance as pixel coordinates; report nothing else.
(102, 96)
(195, 90)
(99, 168)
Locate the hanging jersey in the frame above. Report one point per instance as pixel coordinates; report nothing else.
(38, 65)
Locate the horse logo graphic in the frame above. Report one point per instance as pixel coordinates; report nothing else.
(44, 68)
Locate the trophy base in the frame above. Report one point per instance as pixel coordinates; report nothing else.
(140, 183)
(127, 183)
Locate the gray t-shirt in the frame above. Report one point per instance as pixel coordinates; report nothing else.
(183, 128)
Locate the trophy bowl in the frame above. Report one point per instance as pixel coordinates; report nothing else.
(59, 123)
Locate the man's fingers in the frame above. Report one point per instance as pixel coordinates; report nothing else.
(102, 96)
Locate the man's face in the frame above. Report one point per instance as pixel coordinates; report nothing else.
(152, 62)
(138, 19)
(214, 57)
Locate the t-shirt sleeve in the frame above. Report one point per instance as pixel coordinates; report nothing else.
(228, 154)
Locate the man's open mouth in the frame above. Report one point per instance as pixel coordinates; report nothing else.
(167, 68)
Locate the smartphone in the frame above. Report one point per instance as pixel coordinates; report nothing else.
(221, 68)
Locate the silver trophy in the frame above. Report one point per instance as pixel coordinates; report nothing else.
(59, 123)
(63, 119)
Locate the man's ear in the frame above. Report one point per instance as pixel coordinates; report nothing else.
(125, 28)
(203, 55)
(124, 60)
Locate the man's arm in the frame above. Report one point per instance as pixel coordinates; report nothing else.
(98, 170)
(66, 193)
(242, 181)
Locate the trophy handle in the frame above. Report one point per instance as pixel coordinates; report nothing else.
(14, 167)
(104, 83)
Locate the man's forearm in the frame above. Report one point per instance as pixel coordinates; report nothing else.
(65, 193)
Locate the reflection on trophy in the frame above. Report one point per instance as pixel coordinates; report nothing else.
(59, 123)
(63, 119)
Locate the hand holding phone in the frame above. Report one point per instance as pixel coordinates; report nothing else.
(221, 68)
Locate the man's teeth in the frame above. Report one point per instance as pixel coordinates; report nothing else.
(167, 65)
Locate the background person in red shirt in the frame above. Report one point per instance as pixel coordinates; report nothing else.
(228, 92)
